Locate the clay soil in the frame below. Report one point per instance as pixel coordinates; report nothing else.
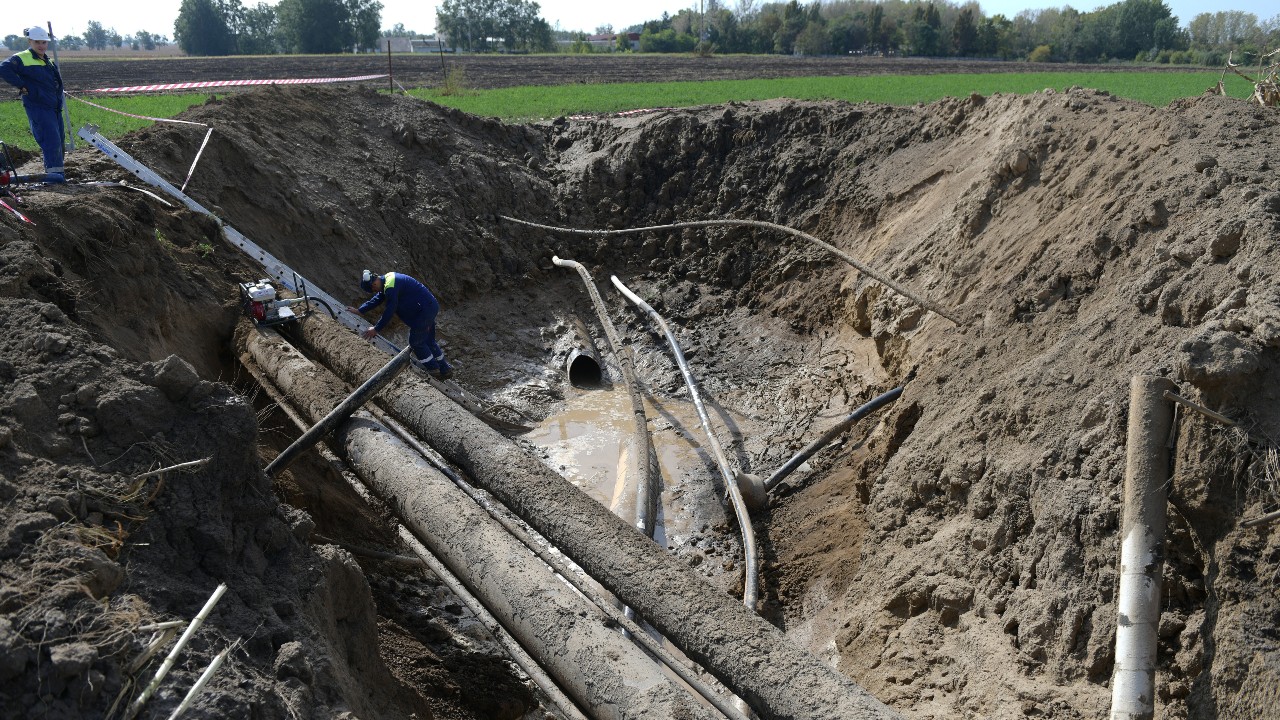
(496, 71)
(956, 554)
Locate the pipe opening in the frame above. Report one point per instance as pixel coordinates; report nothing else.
(584, 370)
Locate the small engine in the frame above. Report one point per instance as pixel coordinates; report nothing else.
(262, 304)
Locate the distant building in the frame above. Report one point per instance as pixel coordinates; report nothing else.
(605, 43)
(432, 44)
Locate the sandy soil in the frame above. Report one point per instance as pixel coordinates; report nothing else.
(956, 554)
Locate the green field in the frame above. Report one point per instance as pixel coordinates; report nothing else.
(533, 103)
(529, 103)
(15, 131)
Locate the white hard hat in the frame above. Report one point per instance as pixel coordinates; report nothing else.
(37, 33)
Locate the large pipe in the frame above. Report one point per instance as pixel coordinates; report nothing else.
(739, 648)
(1146, 475)
(518, 655)
(750, 580)
(596, 665)
(571, 575)
(583, 365)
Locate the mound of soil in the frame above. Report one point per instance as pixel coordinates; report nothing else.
(956, 555)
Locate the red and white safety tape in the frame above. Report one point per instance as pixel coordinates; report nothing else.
(232, 83)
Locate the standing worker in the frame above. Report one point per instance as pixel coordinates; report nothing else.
(40, 84)
(416, 307)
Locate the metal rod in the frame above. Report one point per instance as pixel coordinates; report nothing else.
(180, 466)
(340, 413)
(1263, 520)
(203, 680)
(68, 137)
(173, 654)
(813, 447)
(750, 581)
(863, 268)
(1170, 395)
(369, 552)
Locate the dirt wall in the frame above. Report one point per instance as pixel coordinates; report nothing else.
(956, 555)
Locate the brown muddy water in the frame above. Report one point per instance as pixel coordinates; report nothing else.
(587, 440)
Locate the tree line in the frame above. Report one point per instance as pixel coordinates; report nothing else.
(97, 37)
(1130, 30)
(1141, 30)
(227, 27)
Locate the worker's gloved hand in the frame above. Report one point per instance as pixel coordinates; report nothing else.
(369, 334)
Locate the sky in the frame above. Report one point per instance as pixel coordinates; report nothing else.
(71, 17)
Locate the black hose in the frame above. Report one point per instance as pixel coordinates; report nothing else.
(325, 304)
(795, 462)
(861, 267)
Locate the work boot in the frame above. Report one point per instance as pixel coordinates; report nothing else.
(55, 177)
(446, 372)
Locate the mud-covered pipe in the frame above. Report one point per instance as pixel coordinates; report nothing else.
(1146, 475)
(836, 430)
(640, 458)
(583, 365)
(568, 573)
(751, 580)
(861, 267)
(517, 653)
(340, 413)
(738, 647)
(583, 369)
(599, 668)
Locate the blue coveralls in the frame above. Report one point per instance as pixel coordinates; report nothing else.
(417, 308)
(42, 101)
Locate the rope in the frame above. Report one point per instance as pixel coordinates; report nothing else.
(139, 117)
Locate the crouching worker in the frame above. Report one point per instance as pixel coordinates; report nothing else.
(416, 307)
(40, 85)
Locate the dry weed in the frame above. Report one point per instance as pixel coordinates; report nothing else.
(1262, 461)
(455, 82)
(1266, 84)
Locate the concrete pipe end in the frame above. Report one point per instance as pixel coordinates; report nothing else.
(752, 489)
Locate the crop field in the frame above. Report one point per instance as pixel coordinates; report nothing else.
(525, 88)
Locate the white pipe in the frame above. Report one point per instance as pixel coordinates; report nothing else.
(196, 689)
(173, 654)
(750, 581)
(1142, 549)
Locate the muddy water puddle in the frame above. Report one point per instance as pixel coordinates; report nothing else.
(588, 441)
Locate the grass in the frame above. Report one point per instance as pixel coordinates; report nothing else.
(15, 131)
(533, 103)
(528, 103)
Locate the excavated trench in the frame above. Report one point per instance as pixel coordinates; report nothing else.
(955, 555)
